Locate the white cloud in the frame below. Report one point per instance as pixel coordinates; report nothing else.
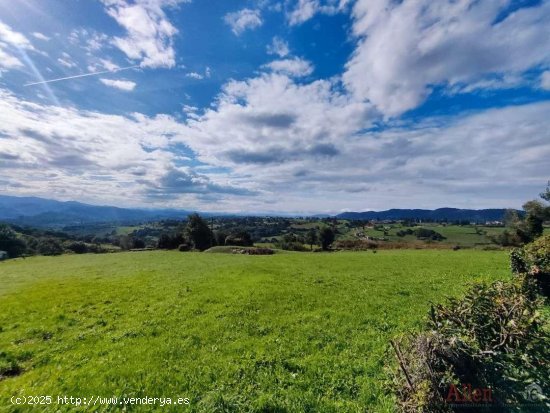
(545, 80)
(195, 75)
(292, 67)
(242, 20)
(150, 34)
(108, 64)
(40, 36)
(407, 47)
(303, 145)
(8, 61)
(306, 9)
(67, 61)
(10, 42)
(66, 153)
(278, 47)
(126, 85)
(88, 39)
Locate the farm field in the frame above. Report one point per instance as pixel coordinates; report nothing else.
(288, 332)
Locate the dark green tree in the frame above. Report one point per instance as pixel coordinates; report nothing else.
(11, 242)
(220, 236)
(199, 232)
(327, 238)
(311, 238)
(50, 246)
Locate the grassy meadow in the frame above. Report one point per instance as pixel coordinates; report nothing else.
(293, 332)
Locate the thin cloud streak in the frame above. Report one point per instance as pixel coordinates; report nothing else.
(78, 76)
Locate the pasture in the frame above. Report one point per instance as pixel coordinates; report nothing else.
(293, 332)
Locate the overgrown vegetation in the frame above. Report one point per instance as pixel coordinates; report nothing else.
(521, 230)
(488, 350)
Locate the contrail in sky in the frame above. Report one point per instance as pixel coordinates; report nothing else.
(84, 75)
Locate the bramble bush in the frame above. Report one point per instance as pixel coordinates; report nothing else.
(496, 338)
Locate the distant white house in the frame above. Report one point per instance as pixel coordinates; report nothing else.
(3, 255)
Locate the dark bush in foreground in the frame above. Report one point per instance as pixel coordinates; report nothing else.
(485, 349)
(533, 263)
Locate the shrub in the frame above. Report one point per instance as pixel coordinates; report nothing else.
(532, 262)
(292, 246)
(170, 241)
(49, 246)
(78, 247)
(260, 251)
(494, 338)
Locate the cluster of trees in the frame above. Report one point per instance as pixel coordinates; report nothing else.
(20, 242)
(313, 236)
(198, 235)
(422, 234)
(522, 230)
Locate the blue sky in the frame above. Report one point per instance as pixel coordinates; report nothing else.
(276, 106)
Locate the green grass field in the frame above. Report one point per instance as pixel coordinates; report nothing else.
(296, 332)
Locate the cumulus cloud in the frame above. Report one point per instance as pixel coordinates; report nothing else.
(298, 139)
(271, 119)
(407, 47)
(292, 67)
(278, 47)
(149, 33)
(242, 20)
(126, 85)
(10, 42)
(306, 9)
(64, 152)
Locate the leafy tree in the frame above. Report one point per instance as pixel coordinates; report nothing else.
(78, 247)
(522, 231)
(327, 238)
(511, 218)
(138, 243)
(50, 246)
(220, 236)
(546, 194)
(170, 241)
(11, 242)
(311, 237)
(125, 242)
(199, 232)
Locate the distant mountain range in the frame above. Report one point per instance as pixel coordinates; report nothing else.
(440, 214)
(41, 212)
